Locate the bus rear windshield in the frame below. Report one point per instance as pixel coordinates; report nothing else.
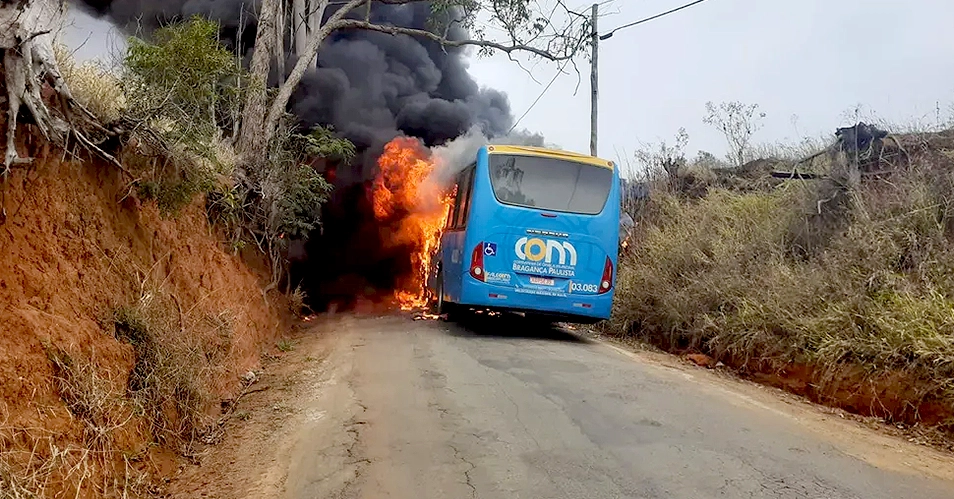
(550, 184)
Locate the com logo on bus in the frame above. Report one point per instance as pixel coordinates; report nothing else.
(536, 249)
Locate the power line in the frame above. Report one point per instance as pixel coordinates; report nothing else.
(602, 37)
(657, 16)
(544, 92)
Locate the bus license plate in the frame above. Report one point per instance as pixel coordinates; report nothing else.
(542, 281)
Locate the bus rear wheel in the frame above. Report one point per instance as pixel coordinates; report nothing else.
(440, 306)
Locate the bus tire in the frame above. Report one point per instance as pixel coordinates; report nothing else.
(440, 306)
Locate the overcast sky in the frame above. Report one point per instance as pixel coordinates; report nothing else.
(816, 60)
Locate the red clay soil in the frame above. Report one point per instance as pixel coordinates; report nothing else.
(69, 243)
(895, 396)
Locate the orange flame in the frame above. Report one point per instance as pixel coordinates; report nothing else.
(415, 206)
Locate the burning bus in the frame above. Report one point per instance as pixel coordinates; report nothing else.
(531, 230)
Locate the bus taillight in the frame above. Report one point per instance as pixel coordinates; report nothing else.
(477, 262)
(606, 283)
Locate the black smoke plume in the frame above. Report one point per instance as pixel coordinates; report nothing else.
(370, 87)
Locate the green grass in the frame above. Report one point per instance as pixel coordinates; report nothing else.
(285, 345)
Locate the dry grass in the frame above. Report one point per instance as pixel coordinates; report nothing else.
(94, 398)
(179, 353)
(13, 486)
(35, 464)
(28, 475)
(47, 470)
(762, 280)
(298, 301)
(169, 394)
(93, 85)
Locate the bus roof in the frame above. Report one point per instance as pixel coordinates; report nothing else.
(549, 153)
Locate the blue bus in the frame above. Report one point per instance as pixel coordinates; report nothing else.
(531, 230)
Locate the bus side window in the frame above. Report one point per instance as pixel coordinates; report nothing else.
(466, 186)
(454, 208)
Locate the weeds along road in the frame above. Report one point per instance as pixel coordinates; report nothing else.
(428, 409)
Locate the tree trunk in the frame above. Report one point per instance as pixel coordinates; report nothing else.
(300, 25)
(253, 143)
(278, 47)
(26, 41)
(304, 62)
(316, 10)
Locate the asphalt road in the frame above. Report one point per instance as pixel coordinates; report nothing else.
(500, 409)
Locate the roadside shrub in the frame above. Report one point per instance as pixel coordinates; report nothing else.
(298, 301)
(284, 199)
(695, 262)
(185, 84)
(92, 397)
(187, 88)
(48, 464)
(172, 372)
(184, 88)
(801, 275)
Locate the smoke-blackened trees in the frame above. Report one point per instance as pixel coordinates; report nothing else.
(528, 27)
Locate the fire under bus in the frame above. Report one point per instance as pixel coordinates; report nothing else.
(530, 230)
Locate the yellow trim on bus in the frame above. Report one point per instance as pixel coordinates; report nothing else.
(549, 153)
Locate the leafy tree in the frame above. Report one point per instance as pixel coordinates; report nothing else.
(288, 195)
(184, 83)
(300, 207)
(323, 143)
(306, 191)
(188, 86)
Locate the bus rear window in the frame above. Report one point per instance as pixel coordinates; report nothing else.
(550, 184)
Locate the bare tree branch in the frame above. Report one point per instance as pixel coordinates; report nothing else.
(398, 30)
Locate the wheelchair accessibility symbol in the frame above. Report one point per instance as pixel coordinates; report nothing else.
(490, 249)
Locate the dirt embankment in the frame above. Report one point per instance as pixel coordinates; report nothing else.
(121, 332)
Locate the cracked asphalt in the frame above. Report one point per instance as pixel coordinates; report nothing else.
(497, 408)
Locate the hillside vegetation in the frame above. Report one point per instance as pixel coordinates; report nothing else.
(840, 287)
(139, 281)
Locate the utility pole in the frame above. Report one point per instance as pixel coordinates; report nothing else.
(594, 79)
